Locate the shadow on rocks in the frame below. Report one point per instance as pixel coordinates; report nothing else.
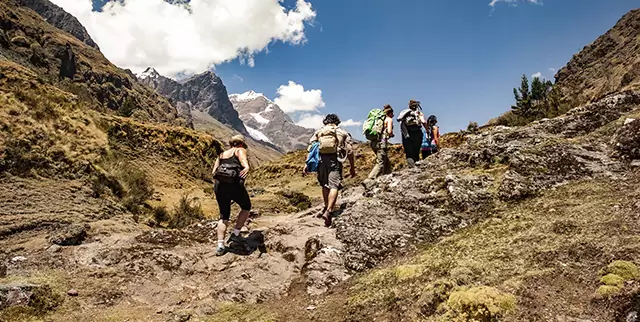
(248, 245)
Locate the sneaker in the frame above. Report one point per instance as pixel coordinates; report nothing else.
(220, 251)
(235, 239)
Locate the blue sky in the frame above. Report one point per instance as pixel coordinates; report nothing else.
(461, 59)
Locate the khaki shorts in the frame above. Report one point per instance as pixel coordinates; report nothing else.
(330, 172)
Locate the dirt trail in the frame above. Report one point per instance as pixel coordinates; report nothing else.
(124, 268)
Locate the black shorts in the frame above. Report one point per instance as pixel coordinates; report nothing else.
(227, 192)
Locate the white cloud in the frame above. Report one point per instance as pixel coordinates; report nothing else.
(537, 75)
(294, 98)
(238, 78)
(553, 70)
(190, 38)
(514, 2)
(351, 122)
(311, 121)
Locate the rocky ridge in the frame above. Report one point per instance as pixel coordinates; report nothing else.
(204, 92)
(608, 65)
(267, 122)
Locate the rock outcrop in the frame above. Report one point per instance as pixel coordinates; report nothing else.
(444, 194)
(60, 19)
(267, 122)
(608, 65)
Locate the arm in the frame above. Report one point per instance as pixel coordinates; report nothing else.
(389, 127)
(242, 155)
(215, 166)
(424, 122)
(436, 136)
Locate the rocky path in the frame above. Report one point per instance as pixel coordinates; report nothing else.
(126, 267)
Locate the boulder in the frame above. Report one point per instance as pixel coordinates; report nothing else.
(627, 140)
(71, 235)
(40, 298)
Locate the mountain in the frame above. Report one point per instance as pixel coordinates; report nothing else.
(204, 93)
(60, 19)
(265, 121)
(610, 64)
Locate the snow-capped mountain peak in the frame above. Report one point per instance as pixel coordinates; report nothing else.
(246, 96)
(150, 72)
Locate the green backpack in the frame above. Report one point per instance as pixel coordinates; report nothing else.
(374, 125)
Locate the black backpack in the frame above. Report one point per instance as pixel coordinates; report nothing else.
(411, 119)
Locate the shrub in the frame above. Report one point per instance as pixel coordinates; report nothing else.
(297, 199)
(187, 212)
(607, 291)
(473, 127)
(137, 186)
(160, 214)
(482, 303)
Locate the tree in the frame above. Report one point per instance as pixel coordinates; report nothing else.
(538, 89)
(524, 106)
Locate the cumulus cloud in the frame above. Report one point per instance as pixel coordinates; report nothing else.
(537, 75)
(294, 98)
(311, 121)
(351, 122)
(514, 2)
(175, 38)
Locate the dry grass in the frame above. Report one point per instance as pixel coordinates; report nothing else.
(508, 252)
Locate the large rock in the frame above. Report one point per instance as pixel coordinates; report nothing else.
(67, 58)
(627, 140)
(71, 235)
(38, 297)
(324, 264)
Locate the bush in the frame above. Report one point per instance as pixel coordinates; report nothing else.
(160, 214)
(137, 186)
(187, 212)
(297, 199)
(473, 127)
(482, 303)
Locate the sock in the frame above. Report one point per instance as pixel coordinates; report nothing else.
(221, 243)
(236, 231)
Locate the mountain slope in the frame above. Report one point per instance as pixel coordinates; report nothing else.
(203, 92)
(266, 121)
(60, 19)
(610, 64)
(202, 100)
(61, 59)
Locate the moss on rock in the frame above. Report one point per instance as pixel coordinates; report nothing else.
(625, 269)
(612, 280)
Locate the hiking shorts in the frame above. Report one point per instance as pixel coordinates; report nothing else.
(330, 171)
(228, 192)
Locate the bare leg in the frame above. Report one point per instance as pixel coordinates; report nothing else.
(325, 196)
(242, 217)
(222, 228)
(332, 198)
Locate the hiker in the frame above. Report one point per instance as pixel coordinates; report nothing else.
(380, 145)
(431, 140)
(411, 120)
(334, 146)
(229, 173)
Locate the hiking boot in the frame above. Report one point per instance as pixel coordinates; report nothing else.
(220, 251)
(235, 239)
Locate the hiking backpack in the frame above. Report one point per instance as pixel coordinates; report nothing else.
(328, 139)
(313, 158)
(411, 119)
(428, 139)
(374, 125)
